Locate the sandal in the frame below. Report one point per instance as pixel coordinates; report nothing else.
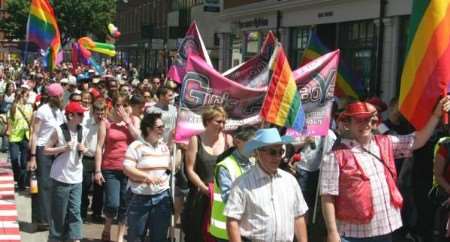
(106, 236)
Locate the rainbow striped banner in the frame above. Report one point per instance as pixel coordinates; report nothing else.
(346, 83)
(42, 29)
(426, 71)
(282, 105)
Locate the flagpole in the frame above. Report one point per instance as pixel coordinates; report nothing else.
(172, 191)
(316, 201)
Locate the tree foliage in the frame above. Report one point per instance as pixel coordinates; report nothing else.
(76, 18)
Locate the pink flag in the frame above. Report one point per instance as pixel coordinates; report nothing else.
(255, 72)
(192, 44)
(203, 86)
(315, 82)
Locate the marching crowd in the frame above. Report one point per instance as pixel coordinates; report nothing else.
(101, 148)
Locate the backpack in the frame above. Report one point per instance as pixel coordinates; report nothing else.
(66, 133)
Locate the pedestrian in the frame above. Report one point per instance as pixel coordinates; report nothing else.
(66, 143)
(201, 156)
(232, 164)
(147, 165)
(114, 135)
(91, 124)
(266, 203)
(360, 198)
(168, 111)
(46, 119)
(19, 125)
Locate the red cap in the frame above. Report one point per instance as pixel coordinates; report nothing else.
(378, 103)
(359, 110)
(74, 107)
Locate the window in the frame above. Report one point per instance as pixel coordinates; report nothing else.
(298, 44)
(358, 44)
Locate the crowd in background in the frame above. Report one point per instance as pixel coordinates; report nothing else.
(100, 146)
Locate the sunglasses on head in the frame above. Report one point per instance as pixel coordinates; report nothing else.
(273, 151)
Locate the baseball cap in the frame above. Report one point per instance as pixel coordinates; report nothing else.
(74, 107)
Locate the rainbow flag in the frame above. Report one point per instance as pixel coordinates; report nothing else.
(426, 71)
(282, 105)
(42, 29)
(346, 83)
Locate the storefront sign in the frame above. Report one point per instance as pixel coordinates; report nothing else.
(254, 23)
(211, 6)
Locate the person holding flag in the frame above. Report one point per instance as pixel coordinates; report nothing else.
(360, 198)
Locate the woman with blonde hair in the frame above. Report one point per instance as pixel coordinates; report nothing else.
(201, 156)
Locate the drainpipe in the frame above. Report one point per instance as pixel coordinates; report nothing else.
(380, 46)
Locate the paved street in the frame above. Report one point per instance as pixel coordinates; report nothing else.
(92, 232)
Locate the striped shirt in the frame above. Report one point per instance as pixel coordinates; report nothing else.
(266, 205)
(386, 217)
(154, 160)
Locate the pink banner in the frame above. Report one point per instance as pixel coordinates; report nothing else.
(203, 86)
(315, 82)
(192, 44)
(255, 72)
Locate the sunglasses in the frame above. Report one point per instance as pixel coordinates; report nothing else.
(273, 152)
(370, 120)
(159, 126)
(80, 114)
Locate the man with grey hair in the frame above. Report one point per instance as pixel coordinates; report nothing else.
(266, 203)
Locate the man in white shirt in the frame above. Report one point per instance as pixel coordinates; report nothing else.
(266, 203)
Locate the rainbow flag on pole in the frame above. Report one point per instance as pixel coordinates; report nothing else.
(42, 29)
(346, 83)
(282, 105)
(426, 71)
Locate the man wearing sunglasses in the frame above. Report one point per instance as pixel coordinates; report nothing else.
(266, 203)
(360, 198)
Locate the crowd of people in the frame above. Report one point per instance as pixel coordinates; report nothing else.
(102, 149)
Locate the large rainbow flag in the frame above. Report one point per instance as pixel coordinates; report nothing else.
(282, 105)
(42, 29)
(426, 71)
(346, 83)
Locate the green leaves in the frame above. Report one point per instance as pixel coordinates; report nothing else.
(76, 18)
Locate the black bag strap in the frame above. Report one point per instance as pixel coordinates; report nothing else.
(24, 116)
(379, 159)
(68, 138)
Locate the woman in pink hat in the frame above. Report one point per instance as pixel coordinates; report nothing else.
(46, 119)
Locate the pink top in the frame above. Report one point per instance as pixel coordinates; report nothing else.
(117, 139)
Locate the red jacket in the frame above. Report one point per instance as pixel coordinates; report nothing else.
(354, 204)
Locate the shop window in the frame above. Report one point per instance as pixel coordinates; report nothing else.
(252, 43)
(298, 44)
(236, 50)
(358, 42)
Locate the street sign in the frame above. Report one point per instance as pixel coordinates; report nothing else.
(211, 6)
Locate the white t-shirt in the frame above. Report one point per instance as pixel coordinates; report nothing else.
(50, 119)
(67, 167)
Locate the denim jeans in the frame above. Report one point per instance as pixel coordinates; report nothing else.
(382, 238)
(115, 194)
(149, 212)
(18, 152)
(66, 219)
(41, 202)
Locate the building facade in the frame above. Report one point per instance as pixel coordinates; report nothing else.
(370, 33)
(143, 27)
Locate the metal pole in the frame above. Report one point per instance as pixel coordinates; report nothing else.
(172, 191)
